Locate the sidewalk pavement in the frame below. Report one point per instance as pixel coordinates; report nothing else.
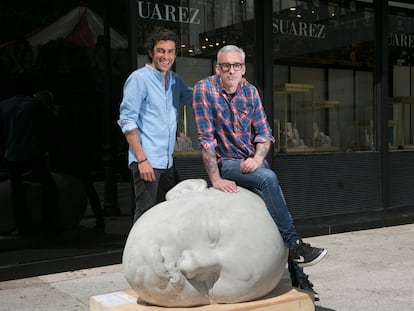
(364, 270)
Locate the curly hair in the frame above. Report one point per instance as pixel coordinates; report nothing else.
(158, 34)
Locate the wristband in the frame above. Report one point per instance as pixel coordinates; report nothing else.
(142, 161)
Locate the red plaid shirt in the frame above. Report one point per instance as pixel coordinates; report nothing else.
(230, 125)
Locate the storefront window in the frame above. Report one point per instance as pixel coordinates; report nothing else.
(323, 75)
(203, 28)
(401, 56)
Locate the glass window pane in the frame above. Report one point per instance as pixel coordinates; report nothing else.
(203, 28)
(323, 65)
(401, 55)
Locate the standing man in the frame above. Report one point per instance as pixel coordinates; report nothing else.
(148, 118)
(235, 137)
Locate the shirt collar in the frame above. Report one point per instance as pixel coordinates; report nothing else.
(157, 73)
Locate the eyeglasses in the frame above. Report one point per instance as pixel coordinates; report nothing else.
(227, 66)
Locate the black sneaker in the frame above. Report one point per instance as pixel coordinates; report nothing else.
(303, 283)
(306, 255)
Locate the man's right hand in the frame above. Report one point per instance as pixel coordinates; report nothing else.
(146, 171)
(225, 185)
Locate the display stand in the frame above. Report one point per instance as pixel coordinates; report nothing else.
(282, 298)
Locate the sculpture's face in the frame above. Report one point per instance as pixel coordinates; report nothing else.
(204, 247)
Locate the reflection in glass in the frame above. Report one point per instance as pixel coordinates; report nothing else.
(327, 47)
(401, 54)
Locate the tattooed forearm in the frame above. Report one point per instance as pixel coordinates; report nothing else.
(210, 164)
(262, 149)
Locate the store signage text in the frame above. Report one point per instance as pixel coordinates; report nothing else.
(299, 29)
(402, 40)
(167, 12)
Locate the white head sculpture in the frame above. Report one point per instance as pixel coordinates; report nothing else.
(204, 246)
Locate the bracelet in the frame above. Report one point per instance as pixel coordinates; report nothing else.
(142, 161)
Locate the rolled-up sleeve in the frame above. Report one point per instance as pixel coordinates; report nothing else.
(130, 105)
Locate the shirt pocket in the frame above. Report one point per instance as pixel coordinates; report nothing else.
(223, 114)
(245, 116)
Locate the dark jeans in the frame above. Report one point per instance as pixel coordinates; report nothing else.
(148, 194)
(266, 182)
(40, 172)
(294, 269)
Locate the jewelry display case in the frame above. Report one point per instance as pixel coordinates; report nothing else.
(325, 136)
(302, 124)
(364, 135)
(293, 128)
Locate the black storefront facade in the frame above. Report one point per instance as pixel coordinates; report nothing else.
(335, 79)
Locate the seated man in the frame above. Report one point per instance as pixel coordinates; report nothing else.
(235, 137)
(204, 246)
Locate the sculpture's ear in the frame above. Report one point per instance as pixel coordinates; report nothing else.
(186, 186)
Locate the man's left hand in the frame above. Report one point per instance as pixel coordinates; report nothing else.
(249, 165)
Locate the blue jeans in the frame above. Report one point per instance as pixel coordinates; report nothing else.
(266, 182)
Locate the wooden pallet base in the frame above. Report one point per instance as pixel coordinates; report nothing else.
(282, 298)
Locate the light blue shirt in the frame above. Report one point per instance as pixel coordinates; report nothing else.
(152, 109)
